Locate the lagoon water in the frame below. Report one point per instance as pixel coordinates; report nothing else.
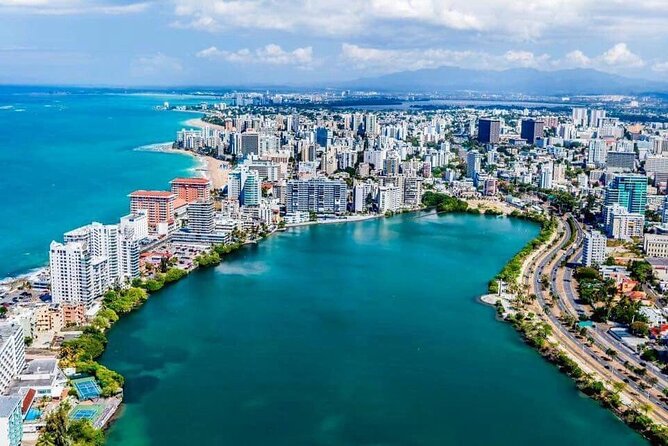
(68, 157)
(348, 334)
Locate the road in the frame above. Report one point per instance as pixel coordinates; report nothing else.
(591, 356)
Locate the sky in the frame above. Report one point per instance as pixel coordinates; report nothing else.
(301, 42)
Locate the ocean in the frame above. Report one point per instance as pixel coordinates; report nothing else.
(71, 156)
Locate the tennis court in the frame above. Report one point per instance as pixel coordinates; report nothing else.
(86, 412)
(87, 388)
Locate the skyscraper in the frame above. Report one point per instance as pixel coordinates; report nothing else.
(629, 191)
(472, 163)
(532, 130)
(594, 248)
(489, 130)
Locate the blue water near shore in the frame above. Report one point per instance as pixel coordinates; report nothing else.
(69, 157)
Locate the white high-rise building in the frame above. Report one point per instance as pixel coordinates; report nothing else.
(12, 353)
(71, 273)
(597, 153)
(595, 116)
(472, 163)
(580, 116)
(389, 199)
(360, 193)
(546, 176)
(593, 252)
(138, 222)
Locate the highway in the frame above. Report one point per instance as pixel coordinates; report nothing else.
(592, 357)
(600, 333)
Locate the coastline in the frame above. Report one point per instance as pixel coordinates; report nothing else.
(555, 350)
(207, 166)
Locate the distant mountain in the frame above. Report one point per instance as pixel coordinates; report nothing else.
(517, 80)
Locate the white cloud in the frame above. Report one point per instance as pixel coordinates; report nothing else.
(577, 59)
(620, 56)
(509, 19)
(660, 67)
(270, 54)
(525, 59)
(71, 7)
(393, 60)
(155, 64)
(616, 59)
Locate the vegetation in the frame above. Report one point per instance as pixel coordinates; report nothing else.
(123, 301)
(82, 352)
(535, 334)
(444, 203)
(61, 431)
(511, 271)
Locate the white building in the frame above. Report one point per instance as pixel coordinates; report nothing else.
(389, 199)
(593, 252)
(71, 273)
(12, 353)
(623, 224)
(656, 245)
(11, 420)
(597, 152)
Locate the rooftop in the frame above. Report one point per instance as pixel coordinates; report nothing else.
(202, 181)
(8, 404)
(151, 194)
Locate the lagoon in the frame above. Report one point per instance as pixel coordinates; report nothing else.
(348, 334)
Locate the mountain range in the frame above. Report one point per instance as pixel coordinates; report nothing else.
(517, 80)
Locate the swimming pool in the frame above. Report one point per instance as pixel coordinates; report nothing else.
(33, 414)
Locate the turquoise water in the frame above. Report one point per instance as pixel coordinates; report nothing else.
(348, 334)
(33, 414)
(68, 159)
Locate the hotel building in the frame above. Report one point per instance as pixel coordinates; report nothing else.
(160, 207)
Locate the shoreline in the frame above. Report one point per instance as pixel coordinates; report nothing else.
(207, 166)
(552, 349)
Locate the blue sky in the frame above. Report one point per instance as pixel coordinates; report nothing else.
(240, 42)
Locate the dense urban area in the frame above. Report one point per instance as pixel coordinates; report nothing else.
(588, 292)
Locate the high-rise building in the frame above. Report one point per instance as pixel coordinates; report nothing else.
(323, 137)
(580, 117)
(545, 176)
(489, 130)
(656, 245)
(160, 207)
(200, 217)
(316, 195)
(490, 187)
(622, 224)
(11, 420)
(71, 273)
(388, 199)
(412, 191)
(12, 353)
(621, 160)
(250, 143)
(191, 189)
(595, 116)
(629, 191)
(597, 152)
(532, 130)
(593, 252)
(472, 163)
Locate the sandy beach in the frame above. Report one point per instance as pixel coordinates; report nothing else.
(208, 166)
(197, 122)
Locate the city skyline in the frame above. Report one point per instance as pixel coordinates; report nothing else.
(214, 42)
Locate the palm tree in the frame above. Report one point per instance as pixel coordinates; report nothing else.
(618, 387)
(55, 431)
(645, 408)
